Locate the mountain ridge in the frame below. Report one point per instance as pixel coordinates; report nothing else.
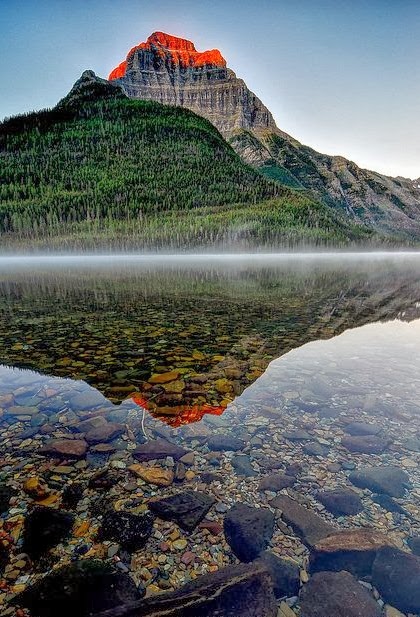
(385, 204)
(101, 170)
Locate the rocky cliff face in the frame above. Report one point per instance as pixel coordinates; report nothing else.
(170, 70)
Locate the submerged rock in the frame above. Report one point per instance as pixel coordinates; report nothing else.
(6, 493)
(387, 479)
(83, 588)
(341, 502)
(414, 544)
(362, 428)
(248, 530)
(241, 463)
(306, 524)
(130, 530)
(45, 528)
(367, 444)
(225, 442)
(157, 449)
(187, 508)
(386, 502)
(65, 448)
(276, 482)
(353, 550)
(336, 594)
(243, 590)
(284, 574)
(72, 494)
(104, 433)
(396, 575)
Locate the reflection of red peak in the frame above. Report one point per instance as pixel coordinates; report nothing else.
(184, 414)
(180, 52)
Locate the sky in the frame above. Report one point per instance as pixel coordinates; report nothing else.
(340, 76)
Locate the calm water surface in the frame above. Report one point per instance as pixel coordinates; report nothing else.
(253, 370)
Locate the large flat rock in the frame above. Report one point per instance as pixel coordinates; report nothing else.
(353, 550)
(244, 590)
(386, 479)
(306, 524)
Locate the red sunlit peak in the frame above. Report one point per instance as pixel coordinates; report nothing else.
(181, 52)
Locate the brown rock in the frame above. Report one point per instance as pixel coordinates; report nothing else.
(336, 594)
(306, 524)
(105, 432)
(153, 475)
(160, 378)
(276, 482)
(353, 550)
(157, 449)
(65, 448)
(243, 590)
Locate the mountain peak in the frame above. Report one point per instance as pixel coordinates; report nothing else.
(173, 50)
(90, 87)
(170, 70)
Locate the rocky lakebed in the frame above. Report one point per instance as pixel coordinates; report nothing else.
(302, 498)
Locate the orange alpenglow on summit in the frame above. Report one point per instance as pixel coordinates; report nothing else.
(180, 51)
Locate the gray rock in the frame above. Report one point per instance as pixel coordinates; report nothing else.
(284, 574)
(248, 530)
(242, 465)
(225, 442)
(362, 428)
(414, 544)
(158, 449)
(336, 594)
(306, 524)
(396, 575)
(367, 444)
(276, 482)
(187, 508)
(387, 479)
(341, 502)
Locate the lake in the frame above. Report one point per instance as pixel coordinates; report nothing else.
(267, 380)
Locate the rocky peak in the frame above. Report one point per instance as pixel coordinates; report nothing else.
(90, 87)
(169, 51)
(170, 70)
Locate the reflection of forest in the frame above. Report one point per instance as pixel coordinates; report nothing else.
(211, 330)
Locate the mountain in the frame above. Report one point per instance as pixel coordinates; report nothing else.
(102, 170)
(170, 70)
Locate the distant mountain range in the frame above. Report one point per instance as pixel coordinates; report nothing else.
(119, 163)
(170, 70)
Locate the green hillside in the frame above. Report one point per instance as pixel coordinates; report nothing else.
(100, 166)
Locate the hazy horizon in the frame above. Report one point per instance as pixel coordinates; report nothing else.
(342, 79)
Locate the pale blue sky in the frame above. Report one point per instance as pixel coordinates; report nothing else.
(340, 76)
